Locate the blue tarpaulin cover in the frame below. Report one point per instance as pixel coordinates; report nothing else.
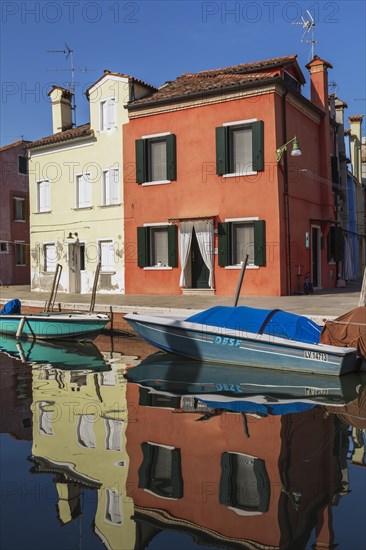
(260, 408)
(273, 322)
(11, 308)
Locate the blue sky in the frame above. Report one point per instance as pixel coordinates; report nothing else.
(158, 40)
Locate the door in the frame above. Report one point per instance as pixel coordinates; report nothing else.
(315, 256)
(76, 264)
(200, 272)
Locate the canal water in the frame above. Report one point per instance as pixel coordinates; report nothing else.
(112, 445)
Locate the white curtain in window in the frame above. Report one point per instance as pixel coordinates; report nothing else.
(86, 433)
(114, 434)
(44, 203)
(185, 239)
(106, 255)
(159, 246)
(50, 257)
(110, 113)
(45, 419)
(242, 150)
(243, 242)
(205, 237)
(158, 160)
(113, 511)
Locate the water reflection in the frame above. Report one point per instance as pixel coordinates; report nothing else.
(220, 455)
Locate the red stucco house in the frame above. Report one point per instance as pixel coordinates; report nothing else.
(203, 186)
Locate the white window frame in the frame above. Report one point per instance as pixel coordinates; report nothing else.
(113, 507)
(104, 187)
(87, 178)
(85, 431)
(106, 101)
(99, 249)
(241, 220)
(157, 267)
(239, 123)
(45, 263)
(41, 209)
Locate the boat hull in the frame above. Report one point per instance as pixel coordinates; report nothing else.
(54, 326)
(231, 347)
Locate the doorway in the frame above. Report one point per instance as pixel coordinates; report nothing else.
(199, 271)
(76, 265)
(315, 256)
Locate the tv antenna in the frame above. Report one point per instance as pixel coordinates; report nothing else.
(69, 53)
(309, 27)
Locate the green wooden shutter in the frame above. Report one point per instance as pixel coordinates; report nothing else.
(225, 496)
(142, 246)
(177, 479)
(141, 160)
(222, 164)
(144, 470)
(260, 242)
(263, 484)
(172, 246)
(171, 157)
(258, 146)
(224, 243)
(338, 244)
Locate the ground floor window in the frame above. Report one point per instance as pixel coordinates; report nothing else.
(160, 471)
(241, 237)
(20, 253)
(4, 247)
(106, 256)
(49, 257)
(157, 246)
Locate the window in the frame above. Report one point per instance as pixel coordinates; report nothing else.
(45, 419)
(156, 159)
(106, 256)
(111, 187)
(83, 191)
(114, 434)
(50, 257)
(22, 165)
(244, 483)
(240, 148)
(335, 244)
(86, 435)
(19, 209)
(113, 512)
(4, 247)
(160, 471)
(108, 114)
(157, 246)
(43, 196)
(20, 253)
(237, 238)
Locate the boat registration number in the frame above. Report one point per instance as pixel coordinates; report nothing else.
(316, 391)
(227, 341)
(316, 355)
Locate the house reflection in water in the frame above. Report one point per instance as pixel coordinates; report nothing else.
(234, 479)
(162, 461)
(79, 424)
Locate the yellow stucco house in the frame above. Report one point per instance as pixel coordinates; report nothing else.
(76, 190)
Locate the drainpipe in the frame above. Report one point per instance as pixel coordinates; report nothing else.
(286, 197)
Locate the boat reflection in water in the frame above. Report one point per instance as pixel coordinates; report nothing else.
(166, 448)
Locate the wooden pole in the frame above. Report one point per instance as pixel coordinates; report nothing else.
(56, 280)
(362, 301)
(94, 291)
(241, 277)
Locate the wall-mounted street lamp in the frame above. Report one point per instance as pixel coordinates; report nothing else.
(296, 151)
(72, 236)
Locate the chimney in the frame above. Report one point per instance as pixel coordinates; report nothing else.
(355, 144)
(61, 109)
(318, 69)
(340, 106)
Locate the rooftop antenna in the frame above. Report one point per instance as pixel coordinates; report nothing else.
(69, 53)
(309, 27)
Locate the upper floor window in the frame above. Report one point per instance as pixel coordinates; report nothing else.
(83, 191)
(108, 114)
(156, 159)
(43, 196)
(22, 165)
(240, 148)
(111, 187)
(19, 208)
(239, 237)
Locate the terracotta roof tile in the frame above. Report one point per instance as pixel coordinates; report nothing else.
(67, 135)
(14, 144)
(190, 83)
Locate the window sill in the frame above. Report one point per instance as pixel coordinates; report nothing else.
(239, 174)
(20, 265)
(44, 212)
(109, 205)
(158, 268)
(251, 266)
(83, 208)
(160, 182)
(22, 221)
(108, 131)
(107, 272)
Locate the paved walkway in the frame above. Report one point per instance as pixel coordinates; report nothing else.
(322, 304)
